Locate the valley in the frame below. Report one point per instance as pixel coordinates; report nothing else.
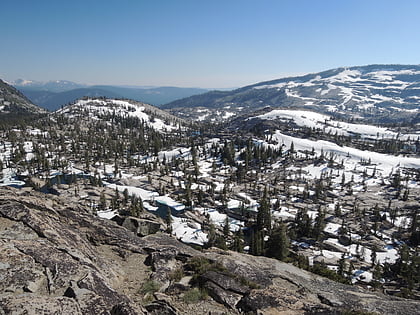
(334, 190)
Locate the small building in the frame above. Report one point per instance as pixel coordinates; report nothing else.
(165, 204)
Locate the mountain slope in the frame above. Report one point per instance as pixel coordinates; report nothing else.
(59, 258)
(377, 93)
(107, 109)
(14, 102)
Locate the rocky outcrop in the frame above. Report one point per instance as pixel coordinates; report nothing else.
(56, 259)
(50, 262)
(139, 226)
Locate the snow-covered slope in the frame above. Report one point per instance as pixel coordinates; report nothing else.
(106, 108)
(326, 123)
(378, 93)
(393, 88)
(14, 102)
(351, 157)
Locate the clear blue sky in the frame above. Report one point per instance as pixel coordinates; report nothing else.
(201, 43)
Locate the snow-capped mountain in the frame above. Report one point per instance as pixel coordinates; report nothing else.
(12, 101)
(51, 86)
(377, 93)
(106, 109)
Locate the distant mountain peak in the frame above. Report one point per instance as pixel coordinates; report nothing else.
(22, 82)
(55, 86)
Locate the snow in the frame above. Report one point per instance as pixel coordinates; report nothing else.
(219, 219)
(166, 200)
(332, 228)
(387, 254)
(345, 76)
(228, 115)
(183, 230)
(354, 86)
(179, 152)
(136, 191)
(8, 175)
(36, 132)
(149, 207)
(304, 118)
(203, 117)
(389, 76)
(233, 203)
(351, 156)
(249, 200)
(362, 275)
(285, 213)
(107, 214)
(328, 254)
(119, 107)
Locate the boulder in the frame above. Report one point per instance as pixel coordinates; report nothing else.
(29, 304)
(225, 281)
(161, 307)
(226, 297)
(141, 227)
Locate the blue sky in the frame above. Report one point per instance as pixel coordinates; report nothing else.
(197, 43)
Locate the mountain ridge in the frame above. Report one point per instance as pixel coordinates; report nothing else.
(54, 94)
(376, 93)
(14, 102)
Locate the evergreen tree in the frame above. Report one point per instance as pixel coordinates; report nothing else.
(211, 237)
(278, 243)
(319, 224)
(264, 213)
(226, 228)
(168, 221)
(102, 201)
(257, 243)
(238, 241)
(341, 265)
(303, 224)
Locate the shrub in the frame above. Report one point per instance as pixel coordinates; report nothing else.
(194, 295)
(150, 287)
(200, 265)
(176, 275)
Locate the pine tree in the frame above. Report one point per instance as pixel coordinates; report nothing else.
(257, 243)
(264, 213)
(373, 256)
(238, 241)
(102, 201)
(211, 237)
(226, 228)
(278, 243)
(319, 224)
(341, 265)
(168, 221)
(337, 210)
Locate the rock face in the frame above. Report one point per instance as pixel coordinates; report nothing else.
(56, 259)
(139, 226)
